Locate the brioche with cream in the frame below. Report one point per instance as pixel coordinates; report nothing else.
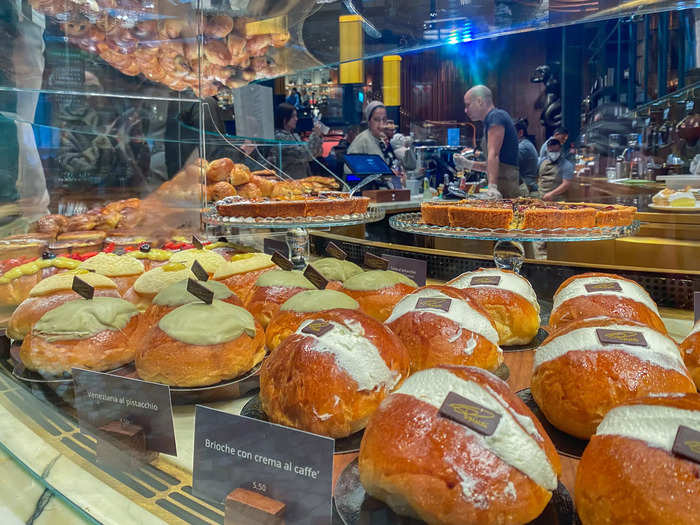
(241, 272)
(332, 373)
(603, 295)
(378, 291)
(84, 333)
(52, 292)
(147, 286)
(690, 351)
(508, 299)
(208, 259)
(335, 270)
(588, 367)
(151, 257)
(438, 326)
(272, 289)
(629, 472)
(301, 306)
(426, 466)
(200, 344)
(17, 282)
(122, 269)
(218, 170)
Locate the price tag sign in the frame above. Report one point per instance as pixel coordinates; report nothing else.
(270, 246)
(283, 464)
(102, 398)
(414, 269)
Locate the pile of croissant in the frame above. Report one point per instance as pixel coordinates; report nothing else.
(167, 49)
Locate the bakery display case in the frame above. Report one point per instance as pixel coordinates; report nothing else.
(159, 258)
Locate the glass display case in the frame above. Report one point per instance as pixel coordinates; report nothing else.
(141, 136)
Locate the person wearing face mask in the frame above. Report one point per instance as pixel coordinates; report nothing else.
(555, 173)
(561, 134)
(374, 141)
(500, 143)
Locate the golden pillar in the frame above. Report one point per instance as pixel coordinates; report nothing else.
(352, 70)
(391, 80)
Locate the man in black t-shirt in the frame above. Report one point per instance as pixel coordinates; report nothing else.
(501, 144)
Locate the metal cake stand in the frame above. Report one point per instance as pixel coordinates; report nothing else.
(508, 252)
(297, 236)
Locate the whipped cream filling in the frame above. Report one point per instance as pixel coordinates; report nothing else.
(509, 281)
(510, 442)
(654, 424)
(662, 351)
(630, 290)
(354, 354)
(460, 312)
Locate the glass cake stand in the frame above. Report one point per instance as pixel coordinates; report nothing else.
(297, 236)
(508, 252)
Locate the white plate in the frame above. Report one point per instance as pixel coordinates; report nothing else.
(673, 208)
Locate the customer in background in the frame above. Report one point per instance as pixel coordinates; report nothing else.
(374, 141)
(527, 157)
(500, 143)
(294, 99)
(555, 173)
(295, 158)
(401, 144)
(561, 134)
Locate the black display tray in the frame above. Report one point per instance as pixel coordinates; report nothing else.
(565, 444)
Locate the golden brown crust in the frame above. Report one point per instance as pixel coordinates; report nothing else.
(249, 191)
(239, 174)
(516, 320)
(32, 308)
(218, 170)
(623, 480)
(690, 350)
(402, 463)
(242, 283)
(103, 351)
(379, 303)
(17, 290)
(220, 190)
(433, 340)
(265, 301)
(282, 325)
(305, 389)
(436, 213)
(477, 217)
(266, 185)
(577, 389)
(601, 305)
(162, 359)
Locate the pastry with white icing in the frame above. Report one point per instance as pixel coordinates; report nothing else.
(340, 364)
(430, 467)
(592, 295)
(378, 291)
(439, 326)
(508, 299)
(690, 351)
(635, 468)
(589, 367)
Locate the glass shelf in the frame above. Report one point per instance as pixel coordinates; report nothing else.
(411, 223)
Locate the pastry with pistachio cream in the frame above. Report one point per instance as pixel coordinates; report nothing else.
(271, 290)
(122, 269)
(378, 291)
(200, 344)
(147, 286)
(84, 333)
(300, 307)
(225, 249)
(16, 283)
(335, 270)
(52, 292)
(209, 260)
(241, 272)
(151, 257)
(175, 295)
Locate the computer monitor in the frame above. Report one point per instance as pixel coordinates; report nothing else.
(362, 165)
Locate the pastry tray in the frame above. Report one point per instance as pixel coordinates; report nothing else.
(212, 218)
(412, 223)
(353, 506)
(565, 444)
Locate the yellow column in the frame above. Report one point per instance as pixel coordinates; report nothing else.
(391, 79)
(351, 48)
